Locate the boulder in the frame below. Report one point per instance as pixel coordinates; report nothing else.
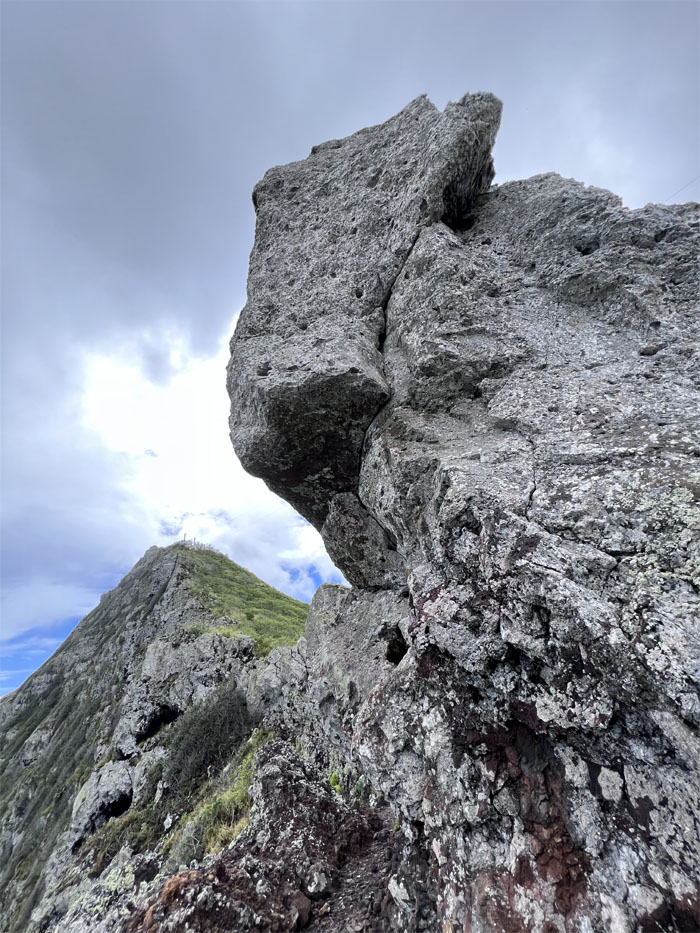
(332, 234)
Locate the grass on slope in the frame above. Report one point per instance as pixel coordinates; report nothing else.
(254, 608)
(202, 741)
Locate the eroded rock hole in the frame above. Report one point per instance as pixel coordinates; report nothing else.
(512, 656)
(115, 808)
(588, 245)
(163, 716)
(396, 647)
(107, 811)
(542, 616)
(469, 521)
(459, 224)
(462, 195)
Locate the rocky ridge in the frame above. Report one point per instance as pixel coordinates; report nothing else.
(108, 741)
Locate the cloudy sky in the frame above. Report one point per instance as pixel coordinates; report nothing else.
(132, 135)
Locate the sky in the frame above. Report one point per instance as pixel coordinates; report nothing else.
(132, 136)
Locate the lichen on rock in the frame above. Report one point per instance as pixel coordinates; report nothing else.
(486, 400)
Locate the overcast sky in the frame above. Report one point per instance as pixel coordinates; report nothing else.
(132, 136)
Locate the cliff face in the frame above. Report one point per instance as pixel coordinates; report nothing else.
(487, 401)
(332, 235)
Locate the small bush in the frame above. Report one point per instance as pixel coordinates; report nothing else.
(139, 828)
(222, 835)
(223, 813)
(244, 769)
(222, 820)
(204, 738)
(226, 631)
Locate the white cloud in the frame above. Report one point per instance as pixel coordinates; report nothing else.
(181, 473)
(132, 462)
(38, 602)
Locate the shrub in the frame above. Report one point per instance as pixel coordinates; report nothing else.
(139, 828)
(223, 813)
(204, 738)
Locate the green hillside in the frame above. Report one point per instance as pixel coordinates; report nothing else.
(248, 606)
(57, 728)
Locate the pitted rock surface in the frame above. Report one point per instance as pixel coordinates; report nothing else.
(332, 234)
(498, 436)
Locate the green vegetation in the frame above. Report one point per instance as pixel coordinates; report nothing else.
(139, 827)
(225, 814)
(203, 739)
(216, 808)
(42, 792)
(48, 745)
(244, 767)
(335, 782)
(27, 719)
(222, 811)
(254, 608)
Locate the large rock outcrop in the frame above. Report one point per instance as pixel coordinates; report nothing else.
(333, 233)
(487, 399)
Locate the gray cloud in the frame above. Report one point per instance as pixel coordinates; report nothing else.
(136, 131)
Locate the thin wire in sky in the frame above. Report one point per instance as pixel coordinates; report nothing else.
(666, 200)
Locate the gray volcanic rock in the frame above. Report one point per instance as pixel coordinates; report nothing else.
(175, 673)
(303, 843)
(504, 424)
(487, 401)
(108, 790)
(356, 541)
(332, 234)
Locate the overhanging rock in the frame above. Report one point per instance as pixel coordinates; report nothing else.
(332, 234)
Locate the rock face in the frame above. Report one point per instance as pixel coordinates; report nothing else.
(286, 865)
(487, 399)
(306, 375)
